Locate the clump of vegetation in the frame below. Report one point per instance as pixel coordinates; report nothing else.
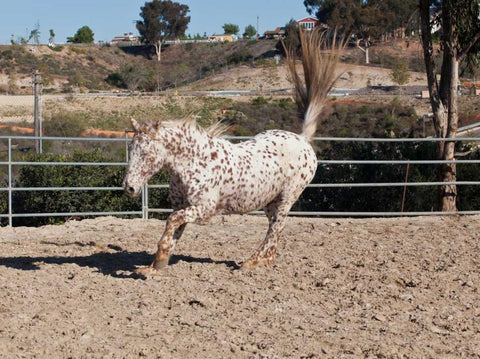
(370, 120)
(400, 74)
(340, 119)
(260, 100)
(77, 176)
(66, 124)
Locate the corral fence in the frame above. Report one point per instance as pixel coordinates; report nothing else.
(11, 160)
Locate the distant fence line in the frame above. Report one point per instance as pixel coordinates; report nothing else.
(11, 163)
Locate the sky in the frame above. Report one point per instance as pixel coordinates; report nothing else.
(109, 18)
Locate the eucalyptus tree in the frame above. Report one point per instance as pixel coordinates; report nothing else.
(458, 25)
(230, 29)
(250, 31)
(162, 20)
(84, 35)
(364, 19)
(35, 34)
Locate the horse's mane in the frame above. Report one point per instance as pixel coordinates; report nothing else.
(216, 129)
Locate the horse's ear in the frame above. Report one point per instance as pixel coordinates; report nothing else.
(135, 125)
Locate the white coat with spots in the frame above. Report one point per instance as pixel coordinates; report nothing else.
(210, 175)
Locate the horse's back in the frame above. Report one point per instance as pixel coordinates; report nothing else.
(272, 164)
(289, 152)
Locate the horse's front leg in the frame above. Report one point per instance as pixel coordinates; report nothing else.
(173, 230)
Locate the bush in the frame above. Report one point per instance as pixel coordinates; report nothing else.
(239, 56)
(361, 199)
(260, 100)
(115, 79)
(3, 207)
(57, 48)
(469, 196)
(75, 176)
(66, 124)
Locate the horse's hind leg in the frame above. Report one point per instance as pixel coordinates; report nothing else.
(276, 212)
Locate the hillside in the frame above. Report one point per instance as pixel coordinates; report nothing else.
(244, 65)
(89, 68)
(206, 66)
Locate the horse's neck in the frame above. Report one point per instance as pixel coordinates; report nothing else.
(183, 145)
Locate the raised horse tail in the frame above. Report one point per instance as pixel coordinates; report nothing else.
(320, 56)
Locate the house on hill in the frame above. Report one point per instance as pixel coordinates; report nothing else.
(125, 40)
(307, 23)
(278, 33)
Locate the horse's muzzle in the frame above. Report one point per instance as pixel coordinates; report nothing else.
(129, 190)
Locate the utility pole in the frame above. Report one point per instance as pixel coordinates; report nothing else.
(37, 111)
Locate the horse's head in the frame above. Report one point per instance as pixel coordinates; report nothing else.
(146, 157)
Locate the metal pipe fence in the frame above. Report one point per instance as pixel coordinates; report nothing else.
(10, 163)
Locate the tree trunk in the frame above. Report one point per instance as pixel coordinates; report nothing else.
(449, 173)
(158, 50)
(443, 99)
(364, 50)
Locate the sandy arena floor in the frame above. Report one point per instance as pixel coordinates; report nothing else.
(341, 288)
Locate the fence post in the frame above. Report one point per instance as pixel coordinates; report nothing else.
(145, 201)
(37, 111)
(10, 181)
(126, 146)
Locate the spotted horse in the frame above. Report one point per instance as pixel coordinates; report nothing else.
(210, 175)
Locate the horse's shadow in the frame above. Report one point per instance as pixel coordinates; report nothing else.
(120, 264)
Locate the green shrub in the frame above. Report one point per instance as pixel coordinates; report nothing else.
(260, 100)
(115, 79)
(7, 55)
(385, 199)
(56, 48)
(469, 196)
(66, 124)
(77, 50)
(239, 56)
(76, 176)
(3, 206)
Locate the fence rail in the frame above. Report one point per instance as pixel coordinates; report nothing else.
(10, 163)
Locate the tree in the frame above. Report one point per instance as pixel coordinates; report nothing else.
(364, 19)
(398, 16)
(400, 74)
(292, 36)
(230, 29)
(51, 39)
(353, 16)
(35, 34)
(84, 35)
(459, 29)
(162, 20)
(250, 31)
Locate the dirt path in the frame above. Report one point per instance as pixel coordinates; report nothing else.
(341, 288)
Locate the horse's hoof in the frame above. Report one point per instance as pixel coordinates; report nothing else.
(249, 264)
(252, 263)
(148, 271)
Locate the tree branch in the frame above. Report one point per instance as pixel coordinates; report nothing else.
(466, 49)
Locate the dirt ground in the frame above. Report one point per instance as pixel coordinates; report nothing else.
(341, 288)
